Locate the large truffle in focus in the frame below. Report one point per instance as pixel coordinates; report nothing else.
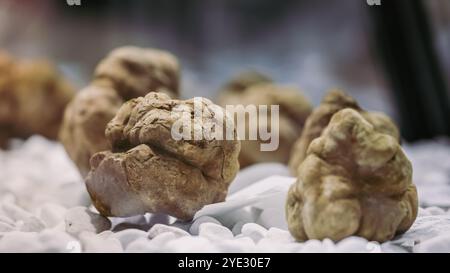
(127, 72)
(150, 170)
(333, 102)
(355, 180)
(33, 95)
(252, 88)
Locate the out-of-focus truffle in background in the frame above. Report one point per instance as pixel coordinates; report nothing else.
(33, 95)
(255, 89)
(125, 73)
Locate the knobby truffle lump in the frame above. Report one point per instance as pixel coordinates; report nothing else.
(150, 170)
(33, 96)
(253, 88)
(135, 71)
(333, 102)
(127, 72)
(355, 180)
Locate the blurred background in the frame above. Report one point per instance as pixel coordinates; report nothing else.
(393, 57)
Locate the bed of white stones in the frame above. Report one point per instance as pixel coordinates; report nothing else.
(44, 208)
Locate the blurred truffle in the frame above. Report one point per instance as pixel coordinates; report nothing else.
(253, 88)
(33, 96)
(135, 71)
(127, 72)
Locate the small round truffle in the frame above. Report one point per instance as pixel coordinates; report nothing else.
(355, 180)
(252, 88)
(127, 72)
(150, 170)
(33, 96)
(333, 102)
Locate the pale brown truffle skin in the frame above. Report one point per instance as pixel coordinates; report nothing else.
(33, 96)
(136, 71)
(257, 89)
(150, 171)
(333, 102)
(237, 85)
(355, 180)
(127, 72)
(6, 67)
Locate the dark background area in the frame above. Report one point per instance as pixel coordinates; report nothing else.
(393, 58)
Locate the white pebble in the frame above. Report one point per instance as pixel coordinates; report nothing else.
(194, 229)
(435, 210)
(237, 228)
(160, 228)
(374, 247)
(247, 215)
(440, 244)
(254, 231)
(279, 235)
(52, 214)
(353, 244)
(6, 220)
(21, 242)
(150, 246)
(128, 236)
(267, 245)
(272, 217)
(389, 247)
(59, 227)
(236, 245)
(191, 244)
(5, 227)
(214, 232)
(423, 229)
(24, 220)
(92, 243)
(105, 234)
(141, 245)
(161, 239)
(313, 246)
(55, 241)
(15, 212)
(255, 173)
(80, 219)
(31, 224)
(422, 212)
(329, 245)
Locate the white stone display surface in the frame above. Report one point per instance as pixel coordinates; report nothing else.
(44, 207)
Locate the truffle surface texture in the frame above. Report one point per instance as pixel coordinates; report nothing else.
(333, 102)
(148, 170)
(355, 180)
